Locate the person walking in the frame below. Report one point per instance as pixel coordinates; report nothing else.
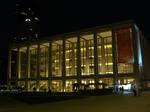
(134, 91)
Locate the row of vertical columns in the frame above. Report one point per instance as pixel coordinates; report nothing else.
(63, 63)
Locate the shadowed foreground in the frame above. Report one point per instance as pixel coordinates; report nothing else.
(110, 103)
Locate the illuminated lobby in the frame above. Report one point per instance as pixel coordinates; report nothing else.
(98, 58)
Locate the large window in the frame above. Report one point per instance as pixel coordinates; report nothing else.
(105, 83)
(88, 83)
(43, 85)
(56, 86)
(57, 58)
(71, 56)
(33, 61)
(44, 55)
(69, 87)
(22, 84)
(23, 62)
(32, 86)
(87, 54)
(124, 50)
(125, 80)
(105, 60)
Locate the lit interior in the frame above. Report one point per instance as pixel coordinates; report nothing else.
(40, 67)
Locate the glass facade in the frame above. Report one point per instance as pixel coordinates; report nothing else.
(106, 82)
(105, 56)
(126, 80)
(22, 84)
(89, 83)
(56, 86)
(43, 85)
(57, 58)
(44, 55)
(71, 56)
(33, 61)
(32, 86)
(69, 85)
(86, 58)
(87, 54)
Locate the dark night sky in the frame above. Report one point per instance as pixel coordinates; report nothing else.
(63, 16)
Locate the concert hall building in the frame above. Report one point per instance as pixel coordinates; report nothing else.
(100, 57)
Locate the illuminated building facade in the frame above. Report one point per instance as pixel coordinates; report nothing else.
(109, 55)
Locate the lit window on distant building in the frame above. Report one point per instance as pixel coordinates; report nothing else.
(27, 19)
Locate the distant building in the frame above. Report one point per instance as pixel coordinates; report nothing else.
(106, 56)
(28, 24)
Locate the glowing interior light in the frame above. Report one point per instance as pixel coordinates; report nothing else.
(67, 59)
(91, 47)
(91, 72)
(126, 87)
(68, 51)
(108, 63)
(83, 82)
(67, 82)
(56, 61)
(23, 13)
(108, 46)
(106, 34)
(82, 49)
(36, 18)
(83, 57)
(100, 64)
(100, 81)
(108, 54)
(91, 64)
(92, 86)
(118, 81)
(68, 66)
(109, 72)
(27, 19)
(91, 56)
